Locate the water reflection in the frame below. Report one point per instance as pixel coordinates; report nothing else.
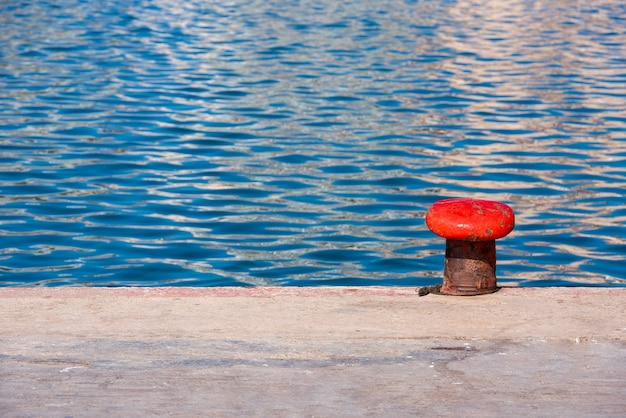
(154, 142)
(545, 74)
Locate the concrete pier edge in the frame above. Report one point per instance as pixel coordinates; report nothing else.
(311, 351)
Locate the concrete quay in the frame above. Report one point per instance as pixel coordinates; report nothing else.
(311, 352)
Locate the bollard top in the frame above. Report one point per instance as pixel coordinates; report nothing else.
(470, 219)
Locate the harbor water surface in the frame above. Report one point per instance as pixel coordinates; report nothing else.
(248, 142)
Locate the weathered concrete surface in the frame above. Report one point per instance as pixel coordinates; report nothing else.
(323, 352)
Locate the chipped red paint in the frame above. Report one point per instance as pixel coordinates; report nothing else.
(470, 227)
(470, 219)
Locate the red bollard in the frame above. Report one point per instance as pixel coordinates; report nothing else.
(471, 228)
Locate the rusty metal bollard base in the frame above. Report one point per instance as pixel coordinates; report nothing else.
(469, 268)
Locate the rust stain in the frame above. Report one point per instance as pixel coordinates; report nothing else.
(478, 208)
(503, 210)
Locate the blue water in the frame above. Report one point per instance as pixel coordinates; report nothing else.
(249, 142)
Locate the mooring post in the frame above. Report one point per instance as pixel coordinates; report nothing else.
(471, 228)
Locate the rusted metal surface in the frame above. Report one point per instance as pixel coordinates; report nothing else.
(469, 268)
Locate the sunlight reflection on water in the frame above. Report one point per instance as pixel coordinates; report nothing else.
(229, 143)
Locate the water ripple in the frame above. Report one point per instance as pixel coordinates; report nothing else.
(152, 142)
